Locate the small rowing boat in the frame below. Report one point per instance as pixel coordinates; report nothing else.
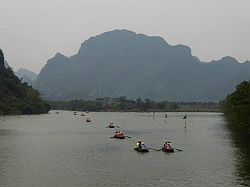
(141, 147)
(144, 150)
(169, 150)
(119, 135)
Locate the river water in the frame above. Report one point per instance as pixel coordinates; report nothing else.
(64, 150)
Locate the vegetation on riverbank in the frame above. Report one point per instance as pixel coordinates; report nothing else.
(129, 105)
(236, 106)
(17, 97)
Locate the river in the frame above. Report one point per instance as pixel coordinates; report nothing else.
(64, 150)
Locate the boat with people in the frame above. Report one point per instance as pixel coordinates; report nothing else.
(88, 120)
(119, 135)
(167, 147)
(141, 147)
(111, 125)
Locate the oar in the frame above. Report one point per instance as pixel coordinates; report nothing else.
(154, 149)
(117, 126)
(128, 136)
(178, 149)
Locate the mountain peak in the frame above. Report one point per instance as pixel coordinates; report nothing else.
(121, 39)
(58, 58)
(25, 72)
(59, 55)
(229, 59)
(26, 75)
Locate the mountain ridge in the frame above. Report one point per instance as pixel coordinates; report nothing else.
(123, 63)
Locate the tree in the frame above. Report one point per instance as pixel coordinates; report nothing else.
(236, 106)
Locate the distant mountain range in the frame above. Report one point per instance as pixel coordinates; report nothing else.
(123, 63)
(26, 76)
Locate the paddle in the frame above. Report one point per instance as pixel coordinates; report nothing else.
(125, 136)
(117, 126)
(178, 149)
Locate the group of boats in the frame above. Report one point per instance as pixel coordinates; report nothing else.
(140, 145)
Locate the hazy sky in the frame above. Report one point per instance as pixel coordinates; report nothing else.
(32, 31)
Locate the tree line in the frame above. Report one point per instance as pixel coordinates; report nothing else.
(129, 105)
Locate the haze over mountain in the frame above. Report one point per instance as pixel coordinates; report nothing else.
(26, 75)
(123, 63)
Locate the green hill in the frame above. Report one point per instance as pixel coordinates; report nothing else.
(17, 97)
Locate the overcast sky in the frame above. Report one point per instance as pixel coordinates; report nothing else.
(32, 31)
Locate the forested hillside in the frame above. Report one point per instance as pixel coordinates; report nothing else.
(237, 106)
(17, 97)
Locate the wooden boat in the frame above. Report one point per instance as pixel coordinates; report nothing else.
(110, 126)
(119, 136)
(169, 150)
(144, 150)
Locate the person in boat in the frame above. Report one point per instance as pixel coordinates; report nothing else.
(143, 146)
(167, 145)
(121, 133)
(138, 145)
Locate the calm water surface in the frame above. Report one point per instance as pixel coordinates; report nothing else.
(63, 150)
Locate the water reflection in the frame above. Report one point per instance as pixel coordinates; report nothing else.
(242, 154)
